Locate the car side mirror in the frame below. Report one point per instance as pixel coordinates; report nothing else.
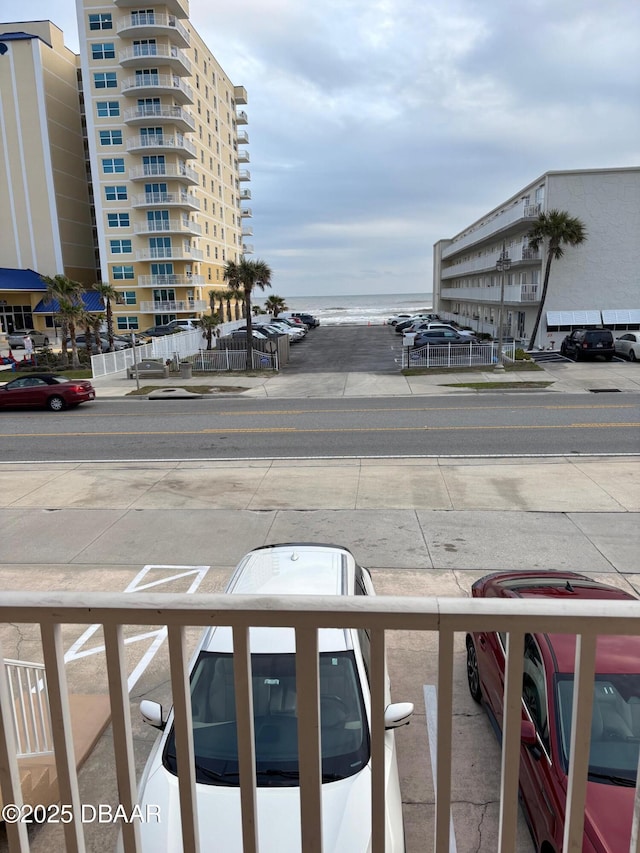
(152, 714)
(528, 734)
(398, 714)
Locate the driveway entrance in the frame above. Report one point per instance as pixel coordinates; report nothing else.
(347, 349)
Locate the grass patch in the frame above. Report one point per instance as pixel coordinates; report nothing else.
(502, 385)
(195, 389)
(518, 367)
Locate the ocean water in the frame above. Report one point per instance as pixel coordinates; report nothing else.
(359, 310)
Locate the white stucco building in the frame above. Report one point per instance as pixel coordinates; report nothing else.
(594, 284)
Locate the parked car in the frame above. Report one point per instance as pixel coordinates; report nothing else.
(46, 389)
(547, 695)
(345, 721)
(415, 318)
(308, 319)
(628, 345)
(588, 343)
(185, 325)
(441, 337)
(257, 334)
(397, 318)
(295, 333)
(15, 340)
(81, 342)
(159, 331)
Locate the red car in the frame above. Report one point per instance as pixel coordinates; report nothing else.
(46, 389)
(547, 696)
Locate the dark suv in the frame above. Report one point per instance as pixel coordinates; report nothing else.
(588, 343)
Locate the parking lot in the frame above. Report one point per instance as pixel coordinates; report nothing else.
(85, 535)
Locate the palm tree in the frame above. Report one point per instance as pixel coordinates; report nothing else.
(556, 228)
(274, 305)
(71, 313)
(108, 293)
(208, 324)
(246, 275)
(59, 287)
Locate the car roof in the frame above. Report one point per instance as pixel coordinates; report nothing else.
(289, 569)
(614, 653)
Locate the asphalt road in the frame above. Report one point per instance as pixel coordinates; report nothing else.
(487, 424)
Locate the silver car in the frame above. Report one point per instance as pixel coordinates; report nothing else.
(15, 340)
(628, 345)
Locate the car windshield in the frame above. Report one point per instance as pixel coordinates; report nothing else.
(615, 725)
(344, 731)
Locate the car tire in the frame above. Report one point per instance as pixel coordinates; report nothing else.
(55, 403)
(632, 355)
(473, 674)
(45, 343)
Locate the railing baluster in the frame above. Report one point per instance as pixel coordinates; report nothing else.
(442, 757)
(378, 676)
(245, 737)
(580, 742)
(61, 731)
(122, 736)
(511, 724)
(309, 755)
(9, 774)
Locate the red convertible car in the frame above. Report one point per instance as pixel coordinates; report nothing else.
(547, 695)
(46, 389)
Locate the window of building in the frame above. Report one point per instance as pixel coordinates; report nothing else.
(115, 193)
(118, 220)
(120, 247)
(103, 50)
(110, 137)
(112, 165)
(102, 21)
(128, 296)
(125, 323)
(105, 109)
(105, 80)
(124, 272)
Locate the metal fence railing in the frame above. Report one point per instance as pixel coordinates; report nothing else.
(456, 355)
(30, 703)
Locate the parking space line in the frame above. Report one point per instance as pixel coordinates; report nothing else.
(78, 650)
(431, 708)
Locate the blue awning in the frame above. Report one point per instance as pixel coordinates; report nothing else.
(92, 302)
(12, 279)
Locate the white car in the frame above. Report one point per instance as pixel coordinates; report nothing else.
(428, 327)
(628, 345)
(285, 329)
(398, 318)
(345, 714)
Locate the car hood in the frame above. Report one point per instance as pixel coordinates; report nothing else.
(346, 827)
(608, 815)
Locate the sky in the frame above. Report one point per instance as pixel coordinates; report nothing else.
(378, 127)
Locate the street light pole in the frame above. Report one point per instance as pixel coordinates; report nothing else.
(503, 265)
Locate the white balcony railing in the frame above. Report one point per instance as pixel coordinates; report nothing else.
(169, 252)
(161, 113)
(175, 306)
(159, 53)
(513, 293)
(163, 170)
(169, 199)
(306, 615)
(28, 691)
(170, 280)
(166, 142)
(168, 226)
(160, 83)
(487, 262)
(516, 213)
(154, 23)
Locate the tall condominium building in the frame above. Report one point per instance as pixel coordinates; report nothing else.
(594, 284)
(45, 215)
(126, 164)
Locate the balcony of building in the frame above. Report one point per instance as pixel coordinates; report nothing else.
(241, 117)
(245, 194)
(244, 175)
(486, 262)
(247, 231)
(182, 199)
(159, 143)
(239, 94)
(180, 173)
(246, 212)
(180, 306)
(242, 138)
(179, 8)
(168, 226)
(141, 55)
(169, 253)
(514, 294)
(153, 85)
(170, 280)
(510, 218)
(181, 616)
(247, 249)
(243, 156)
(152, 24)
(160, 114)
